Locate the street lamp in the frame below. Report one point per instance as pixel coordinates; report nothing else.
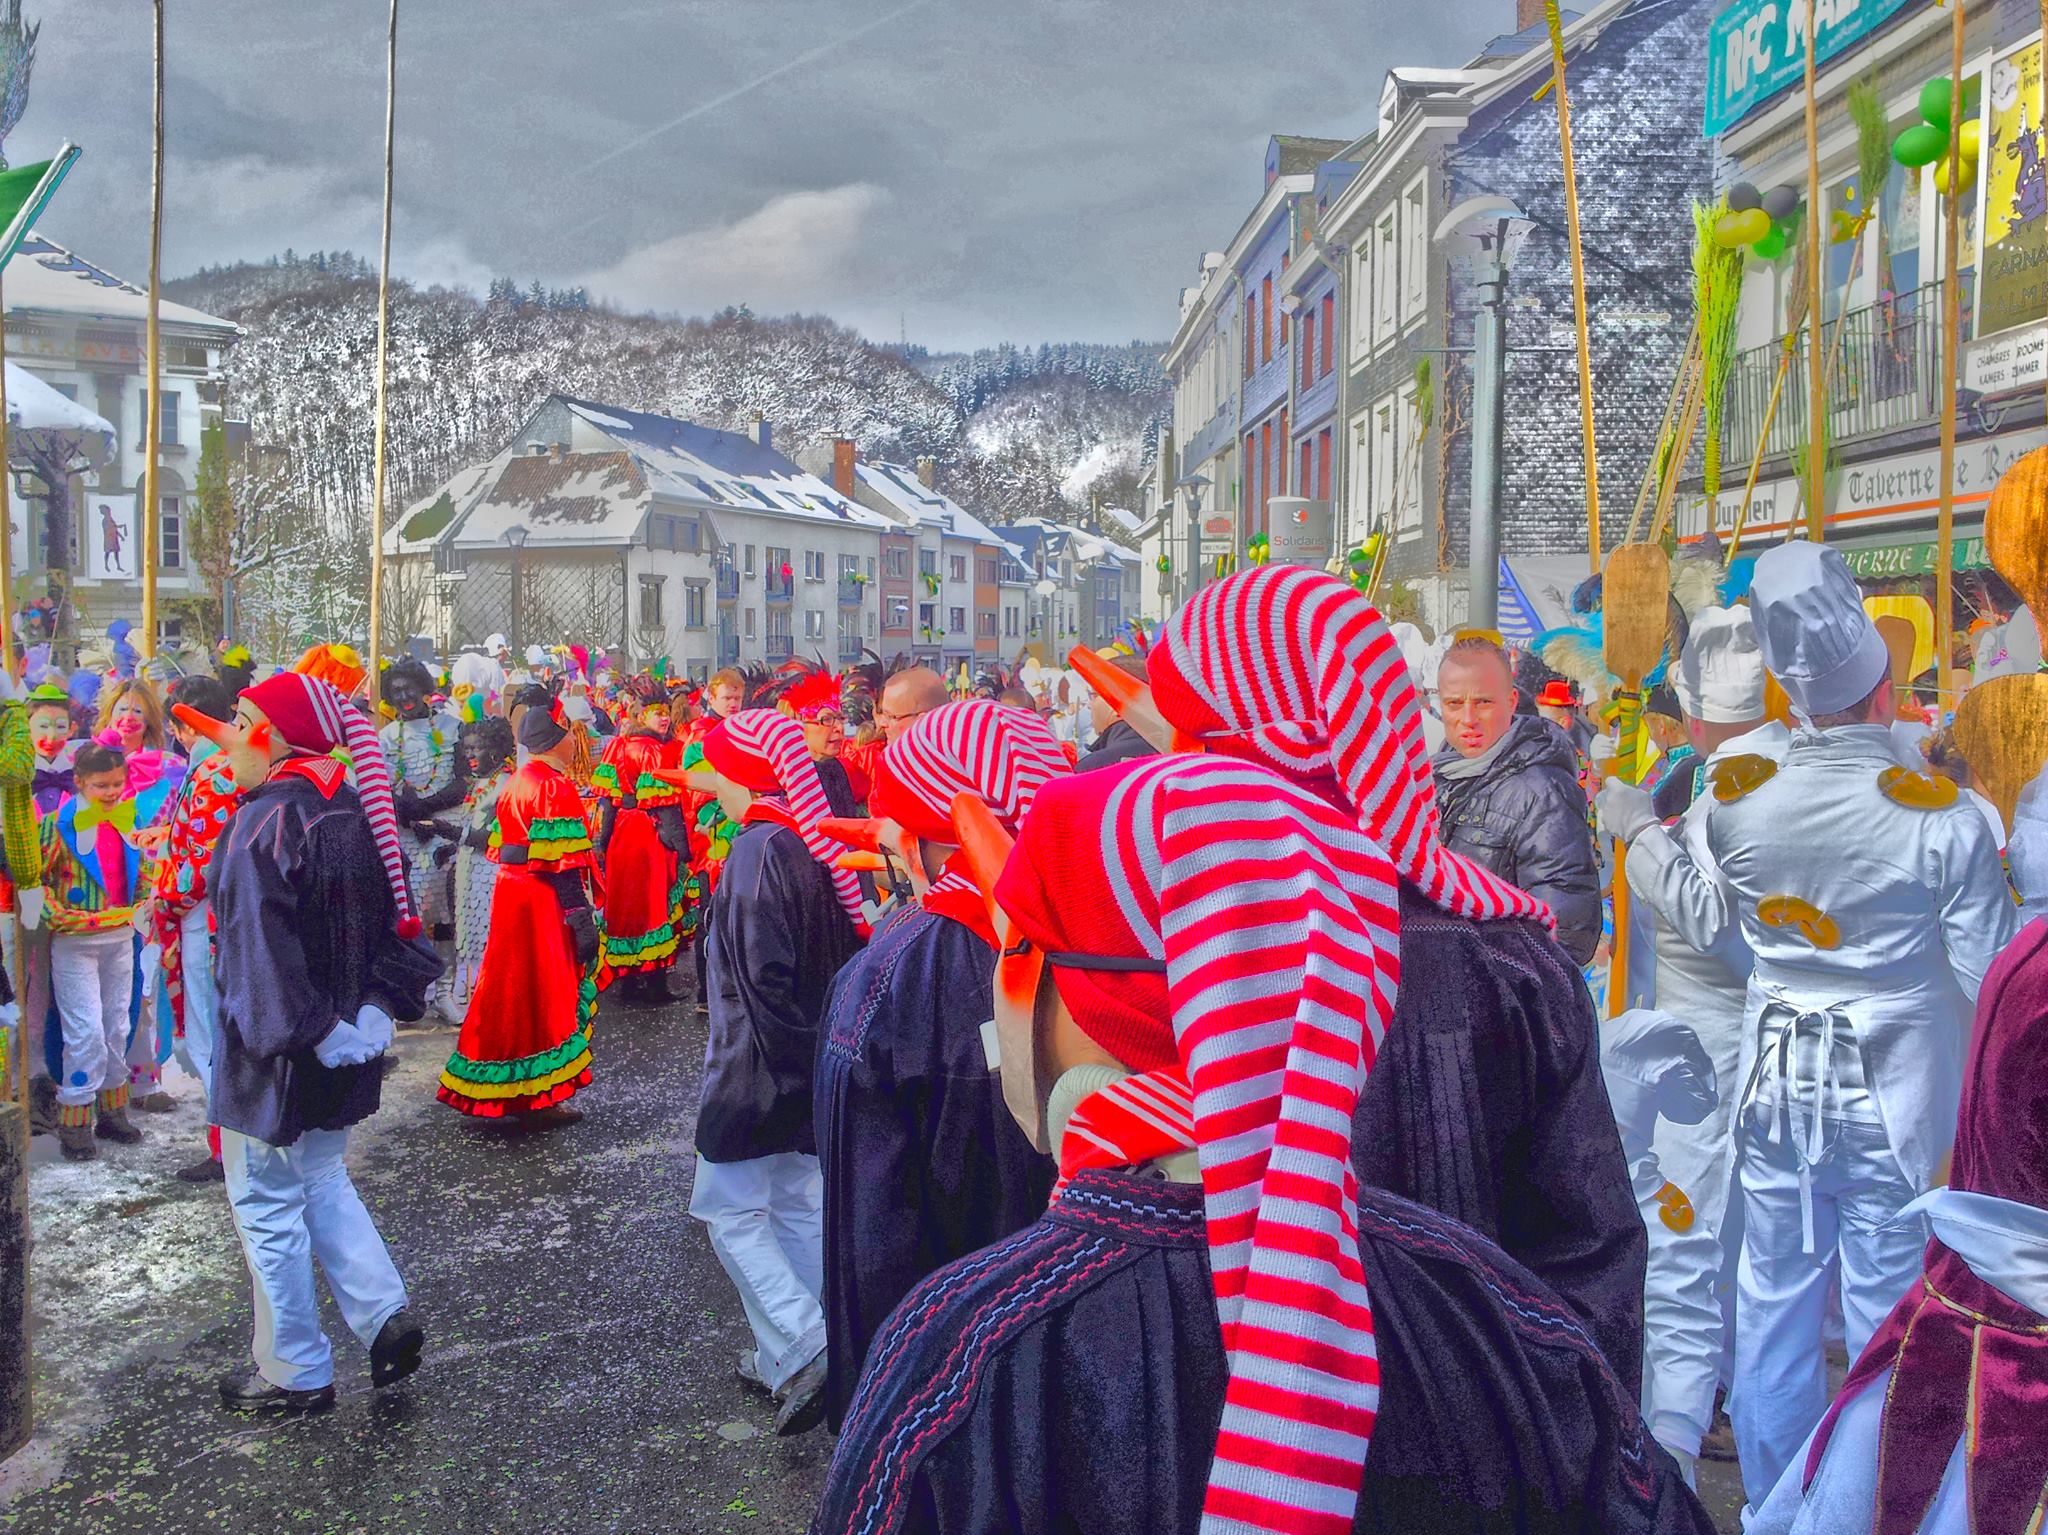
(515, 540)
(1194, 485)
(1482, 236)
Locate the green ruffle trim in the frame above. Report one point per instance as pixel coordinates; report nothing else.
(652, 793)
(626, 951)
(562, 828)
(530, 1068)
(693, 754)
(605, 780)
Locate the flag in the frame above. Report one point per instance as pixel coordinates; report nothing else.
(25, 191)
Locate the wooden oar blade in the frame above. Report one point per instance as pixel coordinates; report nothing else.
(2016, 531)
(1635, 614)
(2002, 728)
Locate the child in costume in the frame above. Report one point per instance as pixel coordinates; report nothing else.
(486, 746)
(525, 1041)
(94, 878)
(56, 748)
(642, 838)
(52, 738)
(318, 952)
(426, 780)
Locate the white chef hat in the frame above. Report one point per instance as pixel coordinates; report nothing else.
(495, 644)
(536, 655)
(1720, 675)
(1812, 629)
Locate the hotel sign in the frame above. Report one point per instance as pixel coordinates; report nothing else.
(1756, 48)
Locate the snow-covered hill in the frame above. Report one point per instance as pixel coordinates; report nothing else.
(1017, 431)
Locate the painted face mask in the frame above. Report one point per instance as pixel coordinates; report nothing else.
(248, 741)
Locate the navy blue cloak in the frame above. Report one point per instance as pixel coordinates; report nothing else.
(923, 1163)
(1486, 1103)
(777, 937)
(307, 932)
(1071, 1378)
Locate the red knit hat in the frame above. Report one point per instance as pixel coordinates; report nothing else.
(975, 746)
(312, 716)
(763, 751)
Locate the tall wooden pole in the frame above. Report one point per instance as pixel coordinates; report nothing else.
(153, 358)
(1816, 387)
(1951, 340)
(383, 367)
(1571, 221)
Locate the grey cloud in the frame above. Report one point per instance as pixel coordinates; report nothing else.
(972, 170)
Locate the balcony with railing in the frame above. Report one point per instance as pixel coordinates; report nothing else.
(852, 591)
(849, 647)
(728, 582)
(781, 647)
(780, 588)
(1883, 370)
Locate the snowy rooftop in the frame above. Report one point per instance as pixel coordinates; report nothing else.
(45, 278)
(921, 506)
(1061, 536)
(679, 460)
(577, 499)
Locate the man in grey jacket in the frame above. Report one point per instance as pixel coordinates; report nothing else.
(1507, 791)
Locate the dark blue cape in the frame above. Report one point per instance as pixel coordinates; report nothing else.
(1071, 1378)
(923, 1163)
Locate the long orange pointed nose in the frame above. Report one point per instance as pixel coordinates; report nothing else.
(1132, 700)
(984, 848)
(222, 733)
(856, 832)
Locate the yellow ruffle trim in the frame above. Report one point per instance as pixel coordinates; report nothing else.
(527, 1089)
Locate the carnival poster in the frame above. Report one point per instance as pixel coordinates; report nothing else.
(2013, 274)
(109, 537)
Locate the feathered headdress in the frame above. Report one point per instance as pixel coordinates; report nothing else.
(803, 688)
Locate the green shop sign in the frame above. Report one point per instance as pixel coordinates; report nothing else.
(1892, 561)
(1755, 48)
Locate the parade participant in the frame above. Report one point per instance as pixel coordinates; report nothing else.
(1488, 1103)
(181, 910)
(1700, 974)
(1509, 793)
(782, 923)
(1199, 959)
(1936, 1428)
(710, 835)
(233, 666)
(339, 666)
(487, 751)
(922, 1162)
(50, 731)
(477, 669)
(94, 878)
(426, 779)
(642, 837)
(56, 749)
(524, 1048)
(1115, 741)
(1873, 902)
(811, 695)
(909, 693)
(317, 952)
(131, 721)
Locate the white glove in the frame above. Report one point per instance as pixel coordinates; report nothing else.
(346, 1045)
(875, 913)
(1625, 810)
(152, 968)
(375, 1025)
(28, 906)
(10, 687)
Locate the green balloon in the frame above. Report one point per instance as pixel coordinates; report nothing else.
(1934, 101)
(1920, 145)
(1772, 245)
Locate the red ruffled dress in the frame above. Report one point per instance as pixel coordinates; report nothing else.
(643, 880)
(525, 1041)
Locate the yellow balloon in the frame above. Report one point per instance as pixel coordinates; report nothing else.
(1964, 182)
(1972, 138)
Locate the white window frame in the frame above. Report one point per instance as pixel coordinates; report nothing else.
(814, 624)
(1414, 248)
(1361, 291)
(1385, 455)
(1408, 472)
(1386, 273)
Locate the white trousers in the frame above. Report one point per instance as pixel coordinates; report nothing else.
(1781, 1374)
(91, 975)
(766, 1217)
(294, 1204)
(202, 1000)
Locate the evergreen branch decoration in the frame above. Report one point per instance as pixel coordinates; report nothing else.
(1717, 292)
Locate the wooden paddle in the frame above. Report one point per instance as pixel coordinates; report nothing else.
(2016, 531)
(2002, 724)
(1635, 617)
(1902, 640)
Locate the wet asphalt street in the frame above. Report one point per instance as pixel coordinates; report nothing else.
(581, 1336)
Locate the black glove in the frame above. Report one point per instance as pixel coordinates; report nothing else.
(583, 932)
(674, 834)
(607, 819)
(478, 839)
(408, 805)
(434, 826)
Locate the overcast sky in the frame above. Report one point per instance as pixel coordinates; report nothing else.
(969, 170)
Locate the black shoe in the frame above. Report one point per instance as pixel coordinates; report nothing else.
(118, 1128)
(155, 1102)
(555, 1116)
(207, 1171)
(75, 1141)
(250, 1392)
(396, 1353)
(801, 1401)
(42, 1106)
(748, 1374)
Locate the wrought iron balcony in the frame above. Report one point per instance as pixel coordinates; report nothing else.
(779, 587)
(780, 646)
(852, 592)
(1884, 376)
(849, 647)
(728, 583)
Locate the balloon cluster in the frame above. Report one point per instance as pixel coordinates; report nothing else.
(1258, 548)
(1765, 222)
(1359, 562)
(1163, 565)
(1927, 140)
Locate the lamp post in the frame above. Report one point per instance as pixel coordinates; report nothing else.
(1486, 232)
(515, 540)
(1193, 485)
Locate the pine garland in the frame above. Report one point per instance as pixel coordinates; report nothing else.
(1717, 293)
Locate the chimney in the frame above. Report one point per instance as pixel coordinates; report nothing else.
(557, 451)
(844, 456)
(759, 429)
(1528, 13)
(928, 473)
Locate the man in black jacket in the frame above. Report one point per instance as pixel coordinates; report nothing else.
(1507, 789)
(318, 953)
(1115, 741)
